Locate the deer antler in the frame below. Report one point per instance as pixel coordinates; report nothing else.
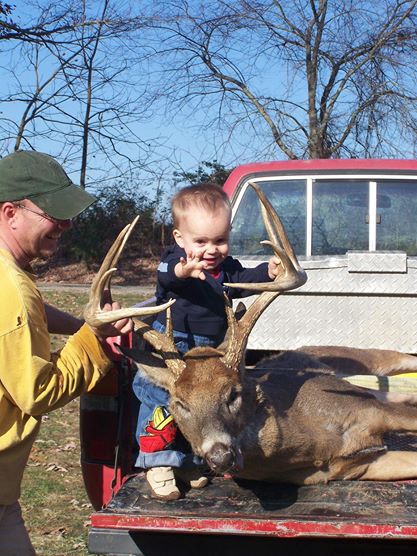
(163, 343)
(96, 317)
(291, 277)
(93, 313)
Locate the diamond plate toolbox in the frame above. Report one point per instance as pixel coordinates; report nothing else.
(361, 299)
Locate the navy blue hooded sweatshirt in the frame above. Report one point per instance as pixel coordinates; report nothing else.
(199, 307)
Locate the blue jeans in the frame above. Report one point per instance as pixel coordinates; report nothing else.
(160, 443)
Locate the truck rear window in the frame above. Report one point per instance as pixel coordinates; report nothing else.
(397, 228)
(289, 199)
(331, 216)
(340, 210)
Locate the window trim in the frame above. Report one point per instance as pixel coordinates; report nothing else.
(309, 216)
(372, 215)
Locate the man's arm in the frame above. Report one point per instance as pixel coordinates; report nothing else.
(60, 322)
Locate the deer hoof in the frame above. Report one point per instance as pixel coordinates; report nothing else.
(162, 483)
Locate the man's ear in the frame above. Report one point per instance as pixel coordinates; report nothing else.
(178, 237)
(8, 210)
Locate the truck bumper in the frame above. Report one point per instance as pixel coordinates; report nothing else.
(110, 542)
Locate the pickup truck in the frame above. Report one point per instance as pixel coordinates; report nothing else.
(353, 226)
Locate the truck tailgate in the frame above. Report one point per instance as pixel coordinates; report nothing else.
(229, 510)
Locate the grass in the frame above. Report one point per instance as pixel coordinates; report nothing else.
(55, 507)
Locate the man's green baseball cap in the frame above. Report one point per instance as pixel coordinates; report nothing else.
(40, 178)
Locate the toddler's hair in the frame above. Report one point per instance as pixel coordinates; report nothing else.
(208, 196)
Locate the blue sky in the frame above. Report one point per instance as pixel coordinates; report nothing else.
(183, 139)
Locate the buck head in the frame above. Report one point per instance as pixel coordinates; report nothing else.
(212, 404)
(210, 401)
(211, 397)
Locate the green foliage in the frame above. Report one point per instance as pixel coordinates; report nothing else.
(117, 205)
(96, 228)
(206, 171)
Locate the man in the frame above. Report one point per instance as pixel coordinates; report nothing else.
(37, 204)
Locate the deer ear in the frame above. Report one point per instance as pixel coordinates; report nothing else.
(151, 365)
(240, 310)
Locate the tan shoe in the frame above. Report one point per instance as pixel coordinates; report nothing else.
(162, 483)
(191, 477)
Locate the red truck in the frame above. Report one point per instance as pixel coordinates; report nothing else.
(353, 226)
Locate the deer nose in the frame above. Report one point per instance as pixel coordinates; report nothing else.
(221, 458)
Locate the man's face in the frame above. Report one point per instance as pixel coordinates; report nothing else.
(204, 234)
(37, 233)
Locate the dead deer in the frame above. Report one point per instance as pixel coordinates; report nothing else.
(272, 424)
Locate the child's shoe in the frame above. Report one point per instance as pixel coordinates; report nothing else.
(191, 477)
(162, 483)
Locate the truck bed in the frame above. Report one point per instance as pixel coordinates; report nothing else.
(242, 517)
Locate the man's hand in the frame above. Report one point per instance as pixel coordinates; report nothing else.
(274, 267)
(118, 328)
(192, 267)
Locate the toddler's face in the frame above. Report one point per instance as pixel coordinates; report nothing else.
(205, 235)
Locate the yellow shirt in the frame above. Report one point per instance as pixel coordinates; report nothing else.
(32, 382)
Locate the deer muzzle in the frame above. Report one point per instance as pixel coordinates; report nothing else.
(223, 459)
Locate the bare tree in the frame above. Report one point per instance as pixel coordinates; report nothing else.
(76, 87)
(53, 21)
(301, 78)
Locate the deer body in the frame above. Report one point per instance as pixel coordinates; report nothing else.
(285, 426)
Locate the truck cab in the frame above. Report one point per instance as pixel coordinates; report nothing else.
(353, 226)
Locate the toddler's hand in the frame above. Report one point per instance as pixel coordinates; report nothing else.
(274, 267)
(192, 267)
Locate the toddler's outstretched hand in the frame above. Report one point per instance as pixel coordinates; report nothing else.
(192, 267)
(274, 267)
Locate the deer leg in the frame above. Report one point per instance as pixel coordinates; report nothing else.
(397, 417)
(392, 466)
(395, 397)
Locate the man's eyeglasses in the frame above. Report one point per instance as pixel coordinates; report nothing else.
(41, 214)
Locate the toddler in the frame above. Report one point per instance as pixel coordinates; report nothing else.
(192, 271)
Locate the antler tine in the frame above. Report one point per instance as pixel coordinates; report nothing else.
(106, 317)
(239, 330)
(102, 279)
(93, 313)
(163, 343)
(292, 276)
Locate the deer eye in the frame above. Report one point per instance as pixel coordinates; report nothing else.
(180, 407)
(234, 400)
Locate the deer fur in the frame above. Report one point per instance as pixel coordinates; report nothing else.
(381, 362)
(349, 361)
(269, 424)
